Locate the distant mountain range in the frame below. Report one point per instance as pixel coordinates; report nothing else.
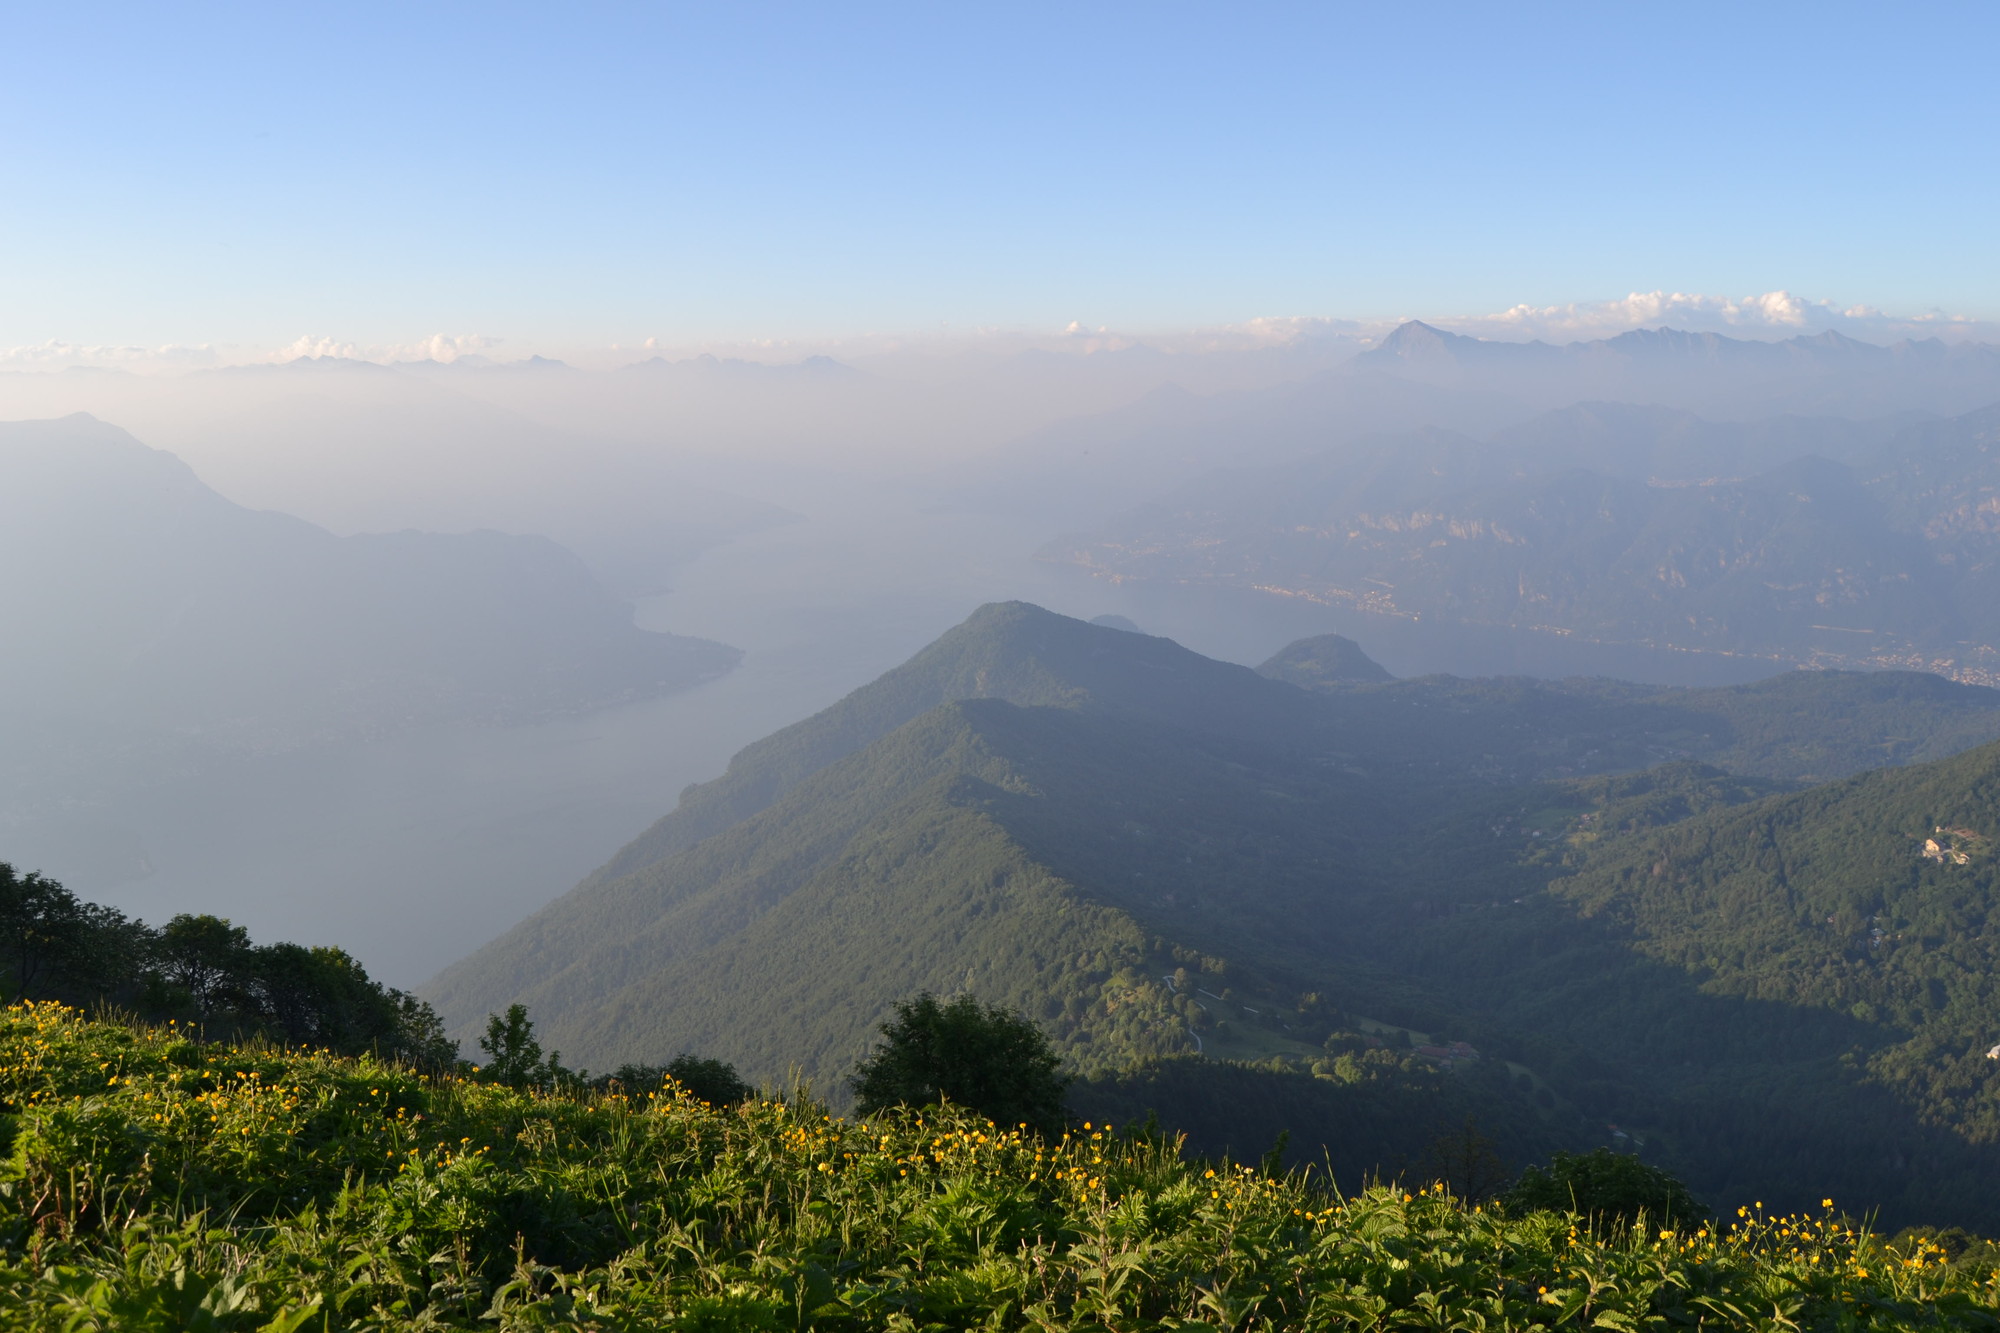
(1822, 374)
(1823, 542)
(1248, 903)
(1829, 389)
(146, 610)
(357, 447)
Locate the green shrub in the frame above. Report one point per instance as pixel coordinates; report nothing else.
(1606, 1187)
(980, 1057)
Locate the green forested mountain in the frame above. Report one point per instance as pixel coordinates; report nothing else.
(1326, 659)
(1439, 729)
(1010, 651)
(1828, 955)
(1271, 897)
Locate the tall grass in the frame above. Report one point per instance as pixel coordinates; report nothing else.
(155, 1182)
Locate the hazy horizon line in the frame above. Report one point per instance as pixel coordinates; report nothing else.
(1771, 316)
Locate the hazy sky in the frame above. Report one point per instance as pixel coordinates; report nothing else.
(560, 174)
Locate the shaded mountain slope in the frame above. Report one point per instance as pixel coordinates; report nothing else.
(1798, 986)
(1800, 726)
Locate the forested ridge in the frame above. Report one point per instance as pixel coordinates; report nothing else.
(1839, 938)
(1251, 906)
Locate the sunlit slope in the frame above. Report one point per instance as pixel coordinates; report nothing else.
(1012, 651)
(575, 949)
(603, 939)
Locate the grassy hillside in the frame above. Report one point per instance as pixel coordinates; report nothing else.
(155, 1185)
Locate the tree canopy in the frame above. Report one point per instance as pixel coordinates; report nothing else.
(54, 945)
(1606, 1187)
(978, 1056)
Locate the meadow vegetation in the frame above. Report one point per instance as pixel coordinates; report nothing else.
(157, 1182)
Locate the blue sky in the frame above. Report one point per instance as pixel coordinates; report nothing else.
(566, 174)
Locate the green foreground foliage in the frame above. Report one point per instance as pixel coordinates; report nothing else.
(154, 1183)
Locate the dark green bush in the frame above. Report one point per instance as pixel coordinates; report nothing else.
(1606, 1187)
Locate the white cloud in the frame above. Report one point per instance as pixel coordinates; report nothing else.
(308, 345)
(1775, 314)
(58, 355)
(438, 347)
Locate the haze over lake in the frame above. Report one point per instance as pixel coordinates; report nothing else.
(414, 848)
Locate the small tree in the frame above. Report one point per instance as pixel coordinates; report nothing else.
(982, 1057)
(207, 957)
(713, 1081)
(1467, 1163)
(1604, 1187)
(420, 1034)
(513, 1056)
(324, 996)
